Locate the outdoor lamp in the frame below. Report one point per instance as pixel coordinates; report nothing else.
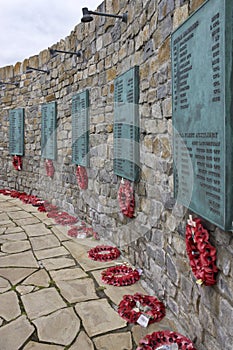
(88, 18)
(53, 52)
(13, 83)
(31, 69)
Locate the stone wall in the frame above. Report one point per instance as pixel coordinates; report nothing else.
(154, 239)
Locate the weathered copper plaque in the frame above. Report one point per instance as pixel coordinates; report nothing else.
(16, 134)
(202, 81)
(126, 125)
(48, 130)
(80, 128)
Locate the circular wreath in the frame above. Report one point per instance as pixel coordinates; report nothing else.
(62, 218)
(82, 178)
(126, 198)
(104, 253)
(49, 167)
(17, 162)
(121, 275)
(132, 307)
(202, 255)
(157, 339)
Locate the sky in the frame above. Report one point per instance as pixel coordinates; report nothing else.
(30, 26)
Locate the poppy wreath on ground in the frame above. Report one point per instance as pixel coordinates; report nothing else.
(126, 198)
(17, 162)
(104, 253)
(82, 232)
(82, 178)
(49, 167)
(62, 218)
(132, 307)
(156, 340)
(120, 275)
(202, 255)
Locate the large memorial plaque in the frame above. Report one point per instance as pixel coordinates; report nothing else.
(48, 130)
(126, 125)
(80, 129)
(16, 134)
(202, 79)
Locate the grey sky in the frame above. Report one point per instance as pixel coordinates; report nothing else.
(29, 26)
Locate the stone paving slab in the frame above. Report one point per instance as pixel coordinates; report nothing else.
(36, 230)
(72, 273)
(18, 236)
(83, 342)
(75, 291)
(16, 247)
(14, 334)
(9, 306)
(42, 302)
(4, 285)
(16, 274)
(39, 278)
(50, 253)
(58, 263)
(111, 341)
(61, 327)
(20, 214)
(39, 346)
(25, 259)
(44, 242)
(14, 229)
(28, 221)
(97, 315)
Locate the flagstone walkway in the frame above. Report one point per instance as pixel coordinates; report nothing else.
(51, 293)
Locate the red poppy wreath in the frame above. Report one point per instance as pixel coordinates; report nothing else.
(120, 275)
(126, 198)
(132, 307)
(159, 340)
(104, 253)
(202, 255)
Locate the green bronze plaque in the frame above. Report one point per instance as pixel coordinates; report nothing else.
(49, 130)
(80, 129)
(202, 82)
(126, 125)
(16, 134)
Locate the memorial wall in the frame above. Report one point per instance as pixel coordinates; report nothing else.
(109, 110)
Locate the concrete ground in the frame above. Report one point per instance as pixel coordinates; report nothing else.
(51, 293)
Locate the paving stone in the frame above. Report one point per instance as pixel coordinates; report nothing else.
(22, 290)
(68, 274)
(4, 285)
(1, 321)
(4, 217)
(20, 214)
(42, 302)
(51, 253)
(79, 252)
(116, 293)
(39, 278)
(61, 327)
(26, 221)
(7, 223)
(77, 290)
(39, 346)
(119, 341)
(58, 263)
(98, 317)
(25, 259)
(8, 207)
(16, 247)
(14, 229)
(83, 342)
(36, 230)
(15, 275)
(44, 242)
(14, 334)
(2, 230)
(9, 306)
(61, 233)
(19, 236)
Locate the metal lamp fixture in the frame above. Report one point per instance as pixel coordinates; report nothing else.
(54, 51)
(88, 18)
(31, 69)
(13, 83)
